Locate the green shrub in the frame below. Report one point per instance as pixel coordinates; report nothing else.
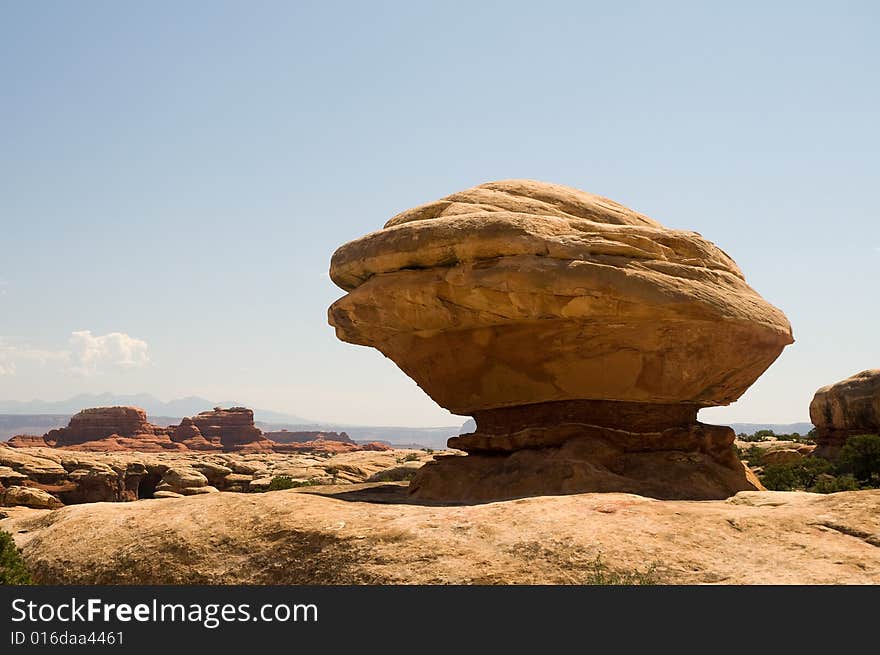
(796, 476)
(281, 482)
(754, 455)
(860, 457)
(829, 484)
(12, 567)
(409, 457)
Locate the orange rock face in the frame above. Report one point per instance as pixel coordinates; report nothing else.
(847, 408)
(231, 428)
(102, 422)
(522, 294)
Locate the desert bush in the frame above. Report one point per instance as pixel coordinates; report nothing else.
(12, 567)
(281, 482)
(760, 435)
(860, 457)
(600, 573)
(829, 484)
(754, 455)
(796, 476)
(409, 457)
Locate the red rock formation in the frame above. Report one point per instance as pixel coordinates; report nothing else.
(27, 441)
(233, 428)
(102, 422)
(286, 436)
(375, 445)
(188, 434)
(116, 429)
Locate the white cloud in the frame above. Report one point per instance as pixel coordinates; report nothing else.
(87, 353)
(90, 353)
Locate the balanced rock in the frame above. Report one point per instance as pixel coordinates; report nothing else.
(847, 408)
(582, 336)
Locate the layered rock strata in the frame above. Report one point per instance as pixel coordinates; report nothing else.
(581, 335)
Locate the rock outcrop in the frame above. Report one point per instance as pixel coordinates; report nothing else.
(287, 436)
(28, 497)
(847, 408)
(232, 429)
(102, 422)
(582, 336)
(305, 537)
(120, 429)
(27, 441)
(73, 477)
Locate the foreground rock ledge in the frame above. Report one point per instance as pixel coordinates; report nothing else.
(291, 537)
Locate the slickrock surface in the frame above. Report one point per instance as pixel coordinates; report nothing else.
(291, 537)
(847, 408)
(582, 336)
(73, 477)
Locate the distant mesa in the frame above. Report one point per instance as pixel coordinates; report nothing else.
(846, 409)
(582, 336)
(109, 429)
(286, 436)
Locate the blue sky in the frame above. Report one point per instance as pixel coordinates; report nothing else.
(177, 175)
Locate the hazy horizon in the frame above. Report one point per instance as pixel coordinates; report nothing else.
(305, 420)
(178, 176)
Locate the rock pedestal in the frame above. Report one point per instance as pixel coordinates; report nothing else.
(581, 335)
(659, 451)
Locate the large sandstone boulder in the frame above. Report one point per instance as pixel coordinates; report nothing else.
(28, 497)
(551, 314)
(847, 408)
